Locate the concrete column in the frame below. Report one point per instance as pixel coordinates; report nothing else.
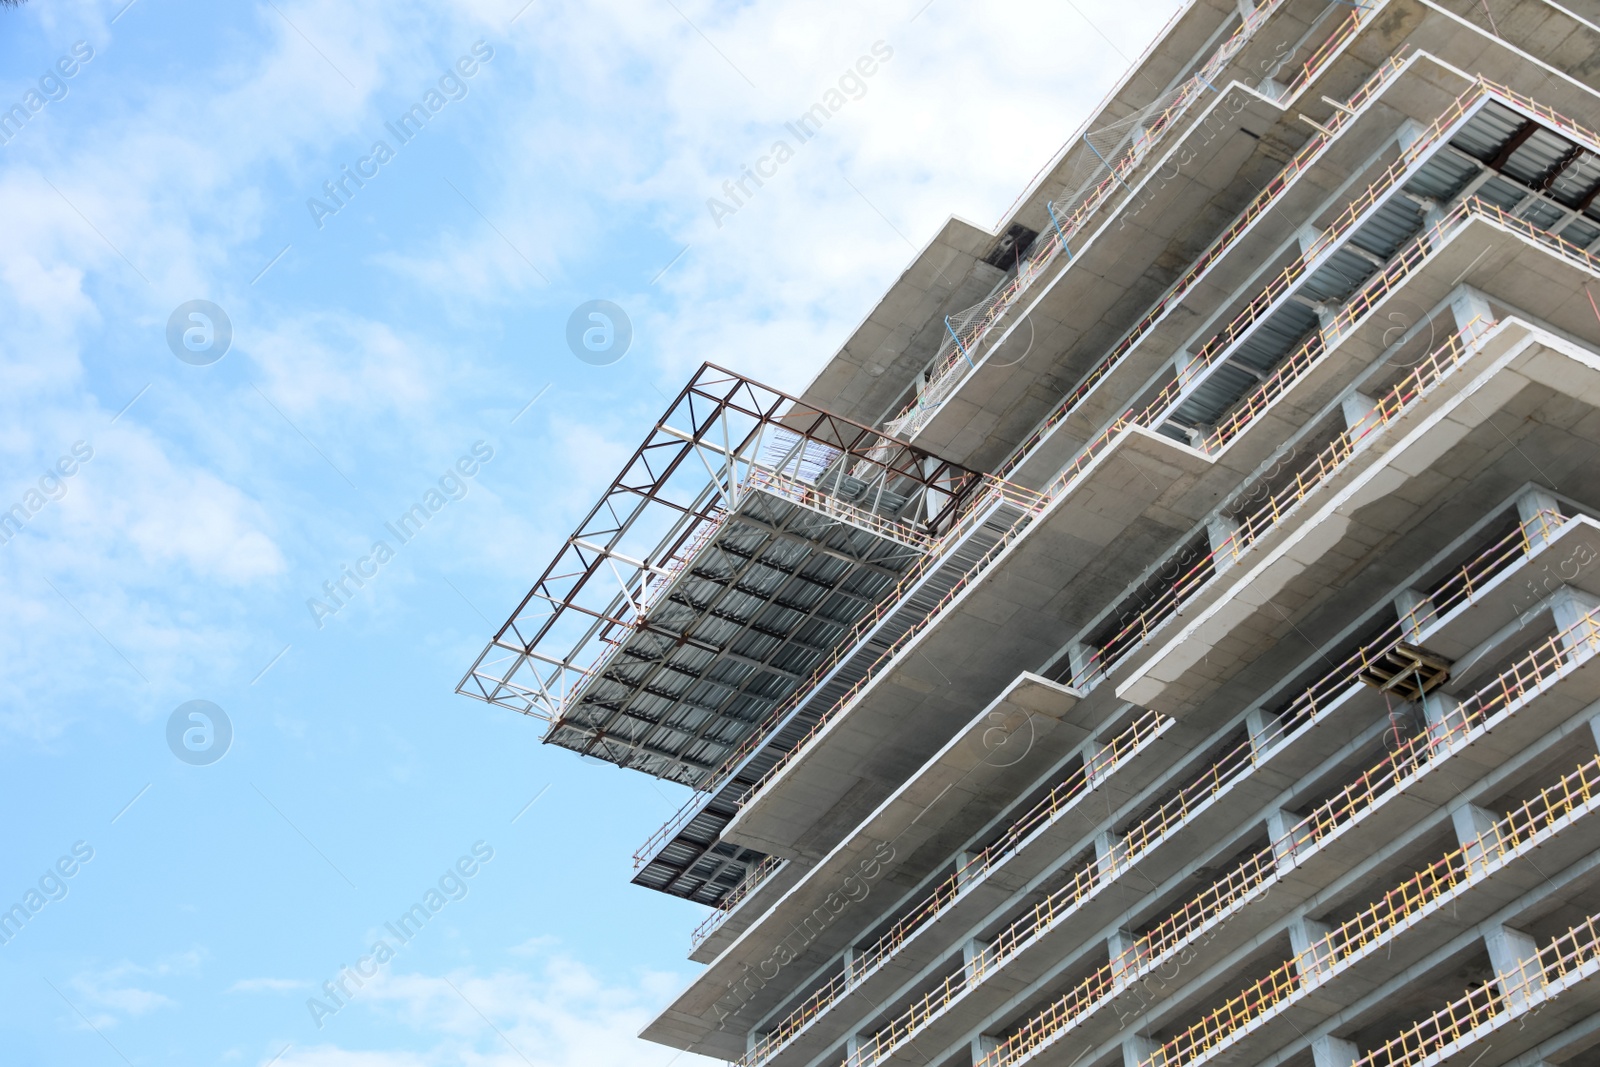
(1410, 133)
(850, 964)
(1279, 824)
(1475, 832)
(1080, 657)
(965, 869)
(1514, 955)
(1330, 1051)
(1187, 365)
(1109, 852)
(1579, 629)
(1310, 240)
(972, 959)
(1225, 550)
(1594, 728)
(1127, 953)
(1442, 712)
(1136, 1050)
(752, 1039)
(1540, 514)
(1357, 409)
(1265, 733)
(983, 1046)
(1471, 311)
(1313, 956)
(1416, 611)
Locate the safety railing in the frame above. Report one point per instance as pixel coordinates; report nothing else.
(1280, 284)
(808, 495)
(1549, 660)
(754, 879)
(958, 352)
(1260, 205)
(1569, 959)
(1398, 269)
(1254, 524)
(975, 510)
(1514, 835)
(870, 958)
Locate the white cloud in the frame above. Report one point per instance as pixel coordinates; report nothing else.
(268, 985)
(566, 1017)
(111, 995)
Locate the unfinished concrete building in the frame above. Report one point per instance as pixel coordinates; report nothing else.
(1165, 633)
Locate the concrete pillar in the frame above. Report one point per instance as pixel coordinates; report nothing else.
(1330, 1051)
(851, 958)
(1188, 366)
(1127, 953)
(1415, 611)
(1358, 417)
(1265, 733)
(966, 868)
(1280, 824)
(1540, 514)
(1080, 657)
(972, 964)
(1576, 619)
(1096, 757)
(1411, 131)
(1313, 955)
(752, 1039)
(1476, 834)
(1514, 956)
(1310, 239)
(1136, 1050)
(1110, 852)
(1442, 712)
(1220, 532)
(983, 1046)
(1594, 728)
(1471, 311)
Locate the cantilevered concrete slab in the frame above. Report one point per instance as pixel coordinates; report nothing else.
(1037, 590)
(1020, 734)
(1456, 445)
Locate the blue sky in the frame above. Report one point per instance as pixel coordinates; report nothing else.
(373, 347)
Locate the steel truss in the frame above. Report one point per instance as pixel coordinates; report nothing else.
(745, 534)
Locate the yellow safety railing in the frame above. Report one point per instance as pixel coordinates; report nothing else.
(974, 511)
(1254, 524)
(1517, 833)
(870, 958)
(959, 360)
(1278, 286)
(754, 879)
(1549, 660)
(1569, 959)
(1257, 207)
(1401, 266)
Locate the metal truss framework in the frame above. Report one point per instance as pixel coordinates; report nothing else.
(742, 537)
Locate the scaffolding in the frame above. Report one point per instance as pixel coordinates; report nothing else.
(740, 542)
